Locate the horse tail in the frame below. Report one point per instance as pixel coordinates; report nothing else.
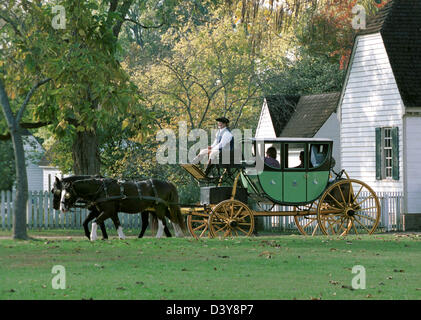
(153, 224)
(174, 208)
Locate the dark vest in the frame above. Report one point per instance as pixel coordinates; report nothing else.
(219, 138)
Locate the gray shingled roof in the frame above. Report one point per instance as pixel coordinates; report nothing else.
(399, 23)
(281, 107)
(311, 113)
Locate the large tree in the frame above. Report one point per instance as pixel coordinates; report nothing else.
(210, 71)
(66, 77)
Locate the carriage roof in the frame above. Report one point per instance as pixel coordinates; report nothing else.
(292, 139)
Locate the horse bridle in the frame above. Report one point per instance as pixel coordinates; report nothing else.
(70, 191)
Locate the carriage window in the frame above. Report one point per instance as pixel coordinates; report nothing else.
(294, 155)
(318, 154)
(273, 154)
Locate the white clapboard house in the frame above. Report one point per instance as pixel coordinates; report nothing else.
(39, 171)
(308, 116)
(380, 106)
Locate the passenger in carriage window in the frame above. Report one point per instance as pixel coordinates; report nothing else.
(301, 165)
(270, 158)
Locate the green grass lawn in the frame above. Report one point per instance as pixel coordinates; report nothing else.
(265, 267)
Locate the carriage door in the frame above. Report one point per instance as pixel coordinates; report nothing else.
(271, 177)
(319, 168)
(295, 178)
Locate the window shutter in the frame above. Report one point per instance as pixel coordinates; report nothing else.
(395, 153)
(378, 153)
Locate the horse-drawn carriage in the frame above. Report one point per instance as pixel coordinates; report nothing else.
(320, 200)
(302, 182)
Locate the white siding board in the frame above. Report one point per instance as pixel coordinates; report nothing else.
(34, 174)
(381, 70)
(370, 99)
(381, 79)
(382, 83)
(376, 91)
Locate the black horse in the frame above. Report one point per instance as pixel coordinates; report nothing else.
(110, 196)
(60, 185)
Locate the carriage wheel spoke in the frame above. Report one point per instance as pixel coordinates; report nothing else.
(351, 192)
(342, 223)
(359, 203)
(232, 210)
(204, 230)
(239, 211)
(201, 226)
(365, 217)
(244, 231)
(365, 227)
(356, 197)
(335, 210)
(310, 222)
(315, 229)
(346, 230)
(220, 217)
(331, 227)
(227, 233)
(332, 197)
(363, 209)
(225, 210)
(201, 220)
(342, 195)
(334, 221)
(220, 229)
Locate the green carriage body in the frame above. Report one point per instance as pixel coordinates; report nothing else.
(289, 184)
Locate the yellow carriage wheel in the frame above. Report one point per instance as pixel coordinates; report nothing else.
(231, 218)
(306, 219)
(198, 226)
(348, 206)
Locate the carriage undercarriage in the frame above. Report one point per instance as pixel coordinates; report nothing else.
(347, 206)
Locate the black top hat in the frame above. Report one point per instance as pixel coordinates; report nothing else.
(222, 119)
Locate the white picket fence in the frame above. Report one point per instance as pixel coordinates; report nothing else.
(41, 215)
(391, 215)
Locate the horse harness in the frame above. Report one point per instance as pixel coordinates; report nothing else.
(122, 196)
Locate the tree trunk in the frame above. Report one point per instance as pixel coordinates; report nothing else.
(19, 204)
(19, 209)
(85, 153)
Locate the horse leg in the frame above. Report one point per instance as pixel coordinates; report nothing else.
(178, 232)
(153, 224)
(94, 235)
(160, 212)
(104, 231)
(160, 229)
(118, 226)
(91, 216)
(100, 220)
(166, 230)
(145, 223)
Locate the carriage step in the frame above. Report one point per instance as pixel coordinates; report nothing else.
(195, 171)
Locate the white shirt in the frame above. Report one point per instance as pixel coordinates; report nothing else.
(225, 140)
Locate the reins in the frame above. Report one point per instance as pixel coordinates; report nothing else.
(121, 196)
